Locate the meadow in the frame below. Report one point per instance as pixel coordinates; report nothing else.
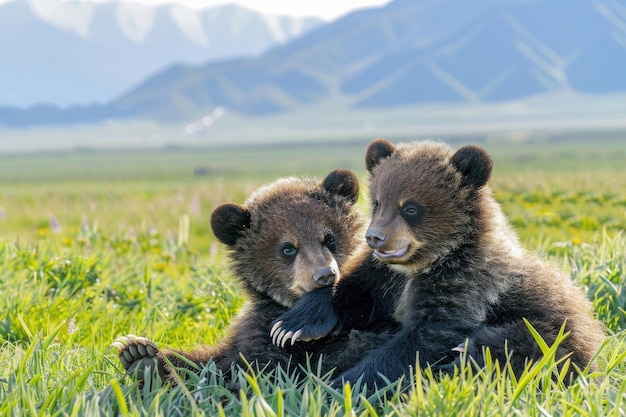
(98, 244)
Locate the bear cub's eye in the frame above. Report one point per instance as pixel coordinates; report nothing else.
(410, 209)
(287, 250)
(329, 242)
(374, 206)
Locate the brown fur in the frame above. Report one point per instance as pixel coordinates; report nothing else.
(504, 283)
(278, 242)
(447, 265)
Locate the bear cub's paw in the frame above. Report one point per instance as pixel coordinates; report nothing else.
(137, 354)
(313, 317)
(303, 331)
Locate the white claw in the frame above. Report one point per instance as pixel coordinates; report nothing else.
(142, 340)
(296, 337)
(460, 348)
(275, 328)
(285, 338)
(132, 337)
(118, 345)
(276, 338)
(279, 339)
(123, 340)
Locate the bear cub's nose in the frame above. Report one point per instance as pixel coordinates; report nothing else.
(324, 276)
(375, 238)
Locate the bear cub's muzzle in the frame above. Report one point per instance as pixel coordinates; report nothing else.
(325, 276)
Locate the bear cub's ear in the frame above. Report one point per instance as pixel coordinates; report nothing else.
(344, 183)
(379, 149)
(474, 163)
(228, 222)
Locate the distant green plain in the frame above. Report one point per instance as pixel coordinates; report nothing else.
(556, 188)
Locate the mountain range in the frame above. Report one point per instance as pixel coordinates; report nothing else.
(74, 53)
(408, 52)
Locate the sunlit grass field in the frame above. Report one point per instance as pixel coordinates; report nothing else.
(94, 245)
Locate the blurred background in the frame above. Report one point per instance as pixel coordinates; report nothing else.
(130, 74)
(138, 113)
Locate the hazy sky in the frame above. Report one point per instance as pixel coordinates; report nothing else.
(326, 9)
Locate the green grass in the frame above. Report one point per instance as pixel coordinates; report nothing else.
(97, 245)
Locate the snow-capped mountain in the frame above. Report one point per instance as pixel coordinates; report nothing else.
(406, 53)
(413, 52)
(67, 53)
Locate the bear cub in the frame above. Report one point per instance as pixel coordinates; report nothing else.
(445, 263)
(290, 237)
